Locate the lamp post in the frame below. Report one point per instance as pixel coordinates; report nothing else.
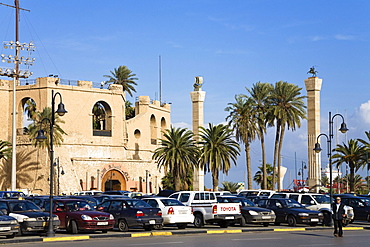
(301, 169)
(317, 149)
(41, 137)
(57, 164)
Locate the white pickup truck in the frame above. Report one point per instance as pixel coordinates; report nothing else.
(207, 210)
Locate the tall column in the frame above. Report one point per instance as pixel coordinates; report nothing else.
(313, 87)
(197, 99)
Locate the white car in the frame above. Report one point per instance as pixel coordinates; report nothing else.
(173, 211)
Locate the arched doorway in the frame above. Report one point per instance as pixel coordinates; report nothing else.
(113, 180)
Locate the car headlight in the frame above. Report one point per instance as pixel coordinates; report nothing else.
(272, 212)
(321, 214)
(13, 222)
(111, 217)
(29, 219)
(303, 214)
(86, 217)
(251, 212)
(55, 218)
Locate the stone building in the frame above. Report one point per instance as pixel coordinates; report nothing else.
(109, 153)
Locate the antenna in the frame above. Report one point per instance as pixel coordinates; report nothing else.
(160, 80)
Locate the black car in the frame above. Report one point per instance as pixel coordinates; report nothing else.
(360, 205)
(291, 212)
(250, 212)
(9, 226)
(102, 198)
(29, 216)
(132, 213)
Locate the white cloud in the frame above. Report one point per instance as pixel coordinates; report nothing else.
(344, 37)
(181, 125)
(364, 111)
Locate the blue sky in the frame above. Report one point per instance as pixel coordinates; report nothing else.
(231, 43)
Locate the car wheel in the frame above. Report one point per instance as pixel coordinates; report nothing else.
(265, 224)
(74, 227)
(292, 221)
(122, 226)
(148, 228)
(10, 236)
(20, 231)
(158, 227)
(198, 221)
(182, 225)
(104, 231)
(243, 222)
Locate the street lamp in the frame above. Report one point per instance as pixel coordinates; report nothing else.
(301, 169)
(41, 137)
(317, 149)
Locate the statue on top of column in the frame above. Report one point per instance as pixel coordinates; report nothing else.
(312, 71)
(198, 83)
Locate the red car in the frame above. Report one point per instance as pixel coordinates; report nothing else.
(77, 215)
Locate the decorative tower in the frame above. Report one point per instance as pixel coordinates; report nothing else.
(197, 99)
(313, 87)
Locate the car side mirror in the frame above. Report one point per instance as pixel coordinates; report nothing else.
(312, 202)
(100, 208)
(59, 210)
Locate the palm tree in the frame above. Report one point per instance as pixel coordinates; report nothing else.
(260, 101)
(287, 110)
(130, 110)
(30, 108)
(24, 168)
(168, 181)
(258, 177)
(243, 123)
(367, 145)
(123, 76)
(45, 125)
(351, 154)
(178, 153)
(5, 150)
(230, 186)
(217, 150)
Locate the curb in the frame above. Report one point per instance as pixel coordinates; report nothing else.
(167, 233)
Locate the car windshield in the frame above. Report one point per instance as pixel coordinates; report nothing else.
(73, 206)
(322, 199)
(247, 203)
(171, 202)
(23, 206)
(138, 204)
(291, 204)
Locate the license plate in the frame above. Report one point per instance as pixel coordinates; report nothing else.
(314, 220)
(229, 218)
(183, 211)
(266, 217)
(152, 222)
(5, 228)
(102, 223)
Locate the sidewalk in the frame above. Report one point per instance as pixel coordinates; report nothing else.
(60, 236)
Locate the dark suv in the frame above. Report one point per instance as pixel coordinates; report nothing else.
(360, 205)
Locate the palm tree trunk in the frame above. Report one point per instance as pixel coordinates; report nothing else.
(275, 153)
(279, 155)
(351, 177)
(177, 181)
(215, 181)
(264, 170)
(248, 164)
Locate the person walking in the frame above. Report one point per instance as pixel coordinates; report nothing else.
(339, 212)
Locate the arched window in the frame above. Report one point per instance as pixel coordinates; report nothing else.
(153, 130)
(163, 126)
(101, 119)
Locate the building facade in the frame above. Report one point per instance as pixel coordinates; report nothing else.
(100, 151)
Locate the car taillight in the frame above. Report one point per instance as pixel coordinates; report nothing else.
(139, 213)
(170, 211)
(159, 213)
(214, 209)
(192, 211)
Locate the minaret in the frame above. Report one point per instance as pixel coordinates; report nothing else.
(197, 99)
(313, 87)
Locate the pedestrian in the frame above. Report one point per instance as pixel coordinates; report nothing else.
(339, 213)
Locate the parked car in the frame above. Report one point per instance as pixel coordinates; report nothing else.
(291, 212)
(313, 201)
(77, 215)
(29, 216)
(11, 194)
(247, 193)
(132, 213)
(115, 192)
(360, 205)
(9, 226)
(40, 200)
(88, 193)
(173, 211)
(250, 212)
(93, 202)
